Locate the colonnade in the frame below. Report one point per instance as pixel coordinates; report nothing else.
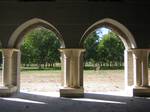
(136, 72)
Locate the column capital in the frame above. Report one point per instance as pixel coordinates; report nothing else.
(140, 53)
(10, 49)
(139, 50)
(7, 52)
(69, 52)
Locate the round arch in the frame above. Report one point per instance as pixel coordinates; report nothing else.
(125, 35)
(18, 35)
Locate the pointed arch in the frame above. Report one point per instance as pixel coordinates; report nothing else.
(18, 35)
(125, 35)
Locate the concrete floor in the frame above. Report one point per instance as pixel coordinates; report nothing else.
(25, 102)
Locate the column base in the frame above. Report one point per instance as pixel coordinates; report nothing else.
(7, 91)
(71, 92)
(141, 91)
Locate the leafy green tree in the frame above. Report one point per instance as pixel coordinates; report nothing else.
(110, 49)
(27, 51)
(106, 50)
(41, 47)
(90, 44)
(53, 55)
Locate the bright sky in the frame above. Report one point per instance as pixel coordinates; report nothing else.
(102, 31)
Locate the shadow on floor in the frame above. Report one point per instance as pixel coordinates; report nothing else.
(25, 102)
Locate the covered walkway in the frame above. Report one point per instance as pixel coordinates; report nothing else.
(24, 102)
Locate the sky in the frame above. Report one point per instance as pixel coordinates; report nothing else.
(102, 31)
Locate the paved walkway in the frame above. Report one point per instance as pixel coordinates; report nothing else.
(25, 102)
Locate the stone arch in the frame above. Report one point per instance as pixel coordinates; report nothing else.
(128, 41)
(17, 36)
(125, 35)
(12, 53)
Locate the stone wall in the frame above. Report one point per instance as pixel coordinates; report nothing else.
(73, 18)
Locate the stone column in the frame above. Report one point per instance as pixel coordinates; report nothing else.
(8, 72)
(145, 68)
(141, 72)
(137, 59)
(128, 69)
(128, 66)
(62, 68)
(73, 73)
(16, 68)
(7, 67)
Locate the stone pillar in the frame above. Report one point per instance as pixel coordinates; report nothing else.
(8, 78)
(141, 72)
(16, 68)
(62, 68)
(128, 66)
(73, 73)
(145, 68)
(128, 69)
(137, 59)
(7, 67)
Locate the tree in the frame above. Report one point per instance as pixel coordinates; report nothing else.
(27, 51)
(106, 50)
(110, 49)
(53, 55)
(41, 47)
(90, 44)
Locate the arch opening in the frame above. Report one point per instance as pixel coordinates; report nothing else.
(40, 62)
(104, 62)
(100, 72)
(38, 74)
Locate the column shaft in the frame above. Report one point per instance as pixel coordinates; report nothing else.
(67, 78)
(128, 66)
(145, 68)
(137, 68)
(7, 67)
(16, 68)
